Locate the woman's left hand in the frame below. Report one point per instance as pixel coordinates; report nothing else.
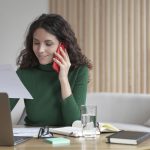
(64, 63)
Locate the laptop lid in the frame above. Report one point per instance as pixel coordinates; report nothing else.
(6, 129)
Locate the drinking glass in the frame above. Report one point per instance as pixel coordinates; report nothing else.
(88, 120)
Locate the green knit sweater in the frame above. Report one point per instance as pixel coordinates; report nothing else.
(47, 106)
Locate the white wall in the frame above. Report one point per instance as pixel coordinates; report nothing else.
(15, 16)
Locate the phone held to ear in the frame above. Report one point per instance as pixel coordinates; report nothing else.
(55, 65)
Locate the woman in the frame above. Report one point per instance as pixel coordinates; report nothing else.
(57, 96)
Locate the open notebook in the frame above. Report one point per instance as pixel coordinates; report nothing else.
(107, 127)
(76, 129)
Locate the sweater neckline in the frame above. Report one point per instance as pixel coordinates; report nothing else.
(47, 67)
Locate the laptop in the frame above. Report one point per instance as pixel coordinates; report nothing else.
(6, 130)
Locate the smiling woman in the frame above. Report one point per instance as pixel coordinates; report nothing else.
(57, 95)
(44, 45)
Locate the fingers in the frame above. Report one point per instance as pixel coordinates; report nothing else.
(57, 61)
(59, 58)
(63, 57)
(64, 54)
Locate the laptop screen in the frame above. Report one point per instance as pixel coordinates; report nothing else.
(6, 129)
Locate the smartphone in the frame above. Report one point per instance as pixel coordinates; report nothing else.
(55, 65)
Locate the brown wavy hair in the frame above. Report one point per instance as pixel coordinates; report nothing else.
(58, 26)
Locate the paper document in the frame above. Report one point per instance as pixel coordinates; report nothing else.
(31, 132)
(11, 84)
(68, 131)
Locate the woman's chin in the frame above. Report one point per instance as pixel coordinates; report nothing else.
(44, 62)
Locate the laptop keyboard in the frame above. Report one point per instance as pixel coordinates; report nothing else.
(19, 139)
(16, 138)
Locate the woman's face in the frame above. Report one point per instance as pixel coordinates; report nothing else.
(44, 45)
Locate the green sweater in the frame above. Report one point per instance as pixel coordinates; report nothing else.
(47, 106)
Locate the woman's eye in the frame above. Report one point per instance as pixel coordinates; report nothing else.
(48, 44)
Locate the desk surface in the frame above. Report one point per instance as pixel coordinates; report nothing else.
(78, 144)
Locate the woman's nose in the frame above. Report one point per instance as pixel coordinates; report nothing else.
(41, 48)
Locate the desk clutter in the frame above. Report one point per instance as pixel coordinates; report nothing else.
(76, 129)
(118, 136)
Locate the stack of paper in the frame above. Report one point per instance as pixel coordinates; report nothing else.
(30, 132)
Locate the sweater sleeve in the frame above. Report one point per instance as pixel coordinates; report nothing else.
(71, 105)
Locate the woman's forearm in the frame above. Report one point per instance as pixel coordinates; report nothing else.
(65, 88)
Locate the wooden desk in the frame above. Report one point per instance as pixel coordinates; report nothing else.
(78, 144)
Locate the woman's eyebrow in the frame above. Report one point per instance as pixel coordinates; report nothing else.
(49, 41)
(35, 39)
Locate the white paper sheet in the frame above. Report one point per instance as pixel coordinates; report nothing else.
(11, 84)
(31, 132)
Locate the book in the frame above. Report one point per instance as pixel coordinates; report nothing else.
(76, 129)
(128, 137)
